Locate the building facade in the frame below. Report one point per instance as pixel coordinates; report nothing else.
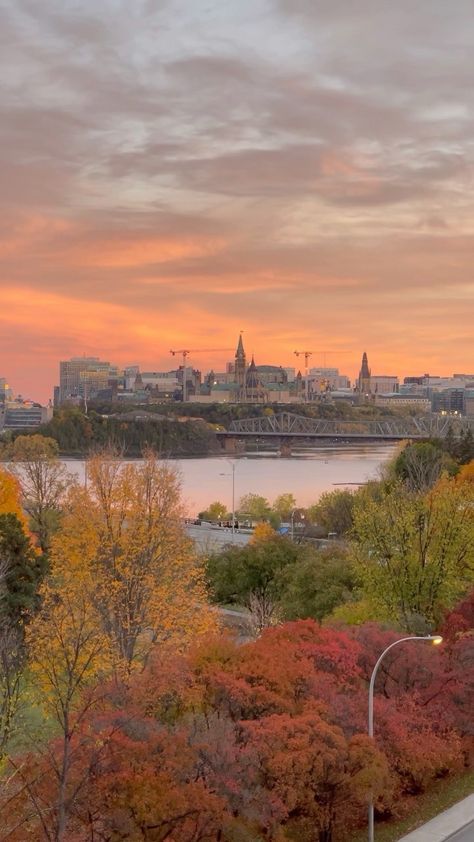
(85, 377)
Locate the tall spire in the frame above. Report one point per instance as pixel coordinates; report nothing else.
(364, 370)
(240, 347)
(240, 363)
(364, 376)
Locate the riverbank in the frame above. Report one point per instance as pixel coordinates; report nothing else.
(130, 434)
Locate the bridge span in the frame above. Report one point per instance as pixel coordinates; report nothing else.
(288, 426)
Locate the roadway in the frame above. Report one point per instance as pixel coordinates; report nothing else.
(209, 538)
(456, 824)
(466, 834)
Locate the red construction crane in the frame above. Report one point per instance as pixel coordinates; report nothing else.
(186, 351)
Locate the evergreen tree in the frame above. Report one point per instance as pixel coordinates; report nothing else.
(465, 447)
(23, 572)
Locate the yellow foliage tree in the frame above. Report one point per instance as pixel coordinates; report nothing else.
(262, 532)
(466, 473)
(67, 657)
(10, 497)
(122, 544)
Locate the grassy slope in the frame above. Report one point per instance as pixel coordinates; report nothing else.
(442, 795)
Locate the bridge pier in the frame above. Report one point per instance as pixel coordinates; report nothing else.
(232, 445)
(229, 445)
(285, 447)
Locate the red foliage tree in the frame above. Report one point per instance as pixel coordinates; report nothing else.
(264, 741)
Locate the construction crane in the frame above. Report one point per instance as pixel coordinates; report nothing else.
(325, 353)
(186, 351)
(307, 355)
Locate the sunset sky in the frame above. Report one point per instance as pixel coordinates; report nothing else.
(174, 171)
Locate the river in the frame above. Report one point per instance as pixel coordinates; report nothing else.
(307, 474)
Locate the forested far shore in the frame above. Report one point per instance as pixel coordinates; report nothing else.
(77, 434)
(175, 430)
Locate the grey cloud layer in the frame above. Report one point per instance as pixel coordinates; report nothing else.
(318, 142)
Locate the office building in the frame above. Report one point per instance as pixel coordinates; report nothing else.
(86, 377)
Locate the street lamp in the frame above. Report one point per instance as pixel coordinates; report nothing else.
(232, 465)
(293, 522)
(436, 639)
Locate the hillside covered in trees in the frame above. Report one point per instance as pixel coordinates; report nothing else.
(130, 433)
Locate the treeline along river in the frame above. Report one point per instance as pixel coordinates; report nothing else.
(306, 475)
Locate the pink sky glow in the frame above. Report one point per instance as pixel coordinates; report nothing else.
(175, 172)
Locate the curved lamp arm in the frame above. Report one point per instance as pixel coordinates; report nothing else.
(436, 638)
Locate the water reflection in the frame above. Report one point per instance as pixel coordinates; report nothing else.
(306, 474)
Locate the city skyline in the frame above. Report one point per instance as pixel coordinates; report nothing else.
(173, 175)
(101, 373)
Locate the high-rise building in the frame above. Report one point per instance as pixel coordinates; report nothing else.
(5, 391)
(85, 377)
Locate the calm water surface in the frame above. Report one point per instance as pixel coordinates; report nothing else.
(306, 474)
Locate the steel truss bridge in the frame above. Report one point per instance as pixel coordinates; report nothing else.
(287, 425)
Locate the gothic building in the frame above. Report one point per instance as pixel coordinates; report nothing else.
(255, 391)
(363, 383)
(240, 367)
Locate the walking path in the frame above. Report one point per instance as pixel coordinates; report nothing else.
(455, 825)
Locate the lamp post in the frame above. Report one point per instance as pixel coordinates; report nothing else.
(232, 465)
(436, 639)
(293, 522)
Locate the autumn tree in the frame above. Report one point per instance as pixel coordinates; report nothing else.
(10, 496)
(466, 473)
(125, 532)
(415, 552)
(317, 779)
(43, 479)
(261, 741)
(68, 655)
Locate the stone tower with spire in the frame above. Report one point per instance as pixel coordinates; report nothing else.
(240, 368)
(364, 386)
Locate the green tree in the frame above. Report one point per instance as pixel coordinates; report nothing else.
(254, 506)
(421, 464)
(465, 447)
(215, 512)
(24, 570)
(333, 511)
(416, 552)
(284, 505)
(249, 576)
(316, 583)
(21, 572)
